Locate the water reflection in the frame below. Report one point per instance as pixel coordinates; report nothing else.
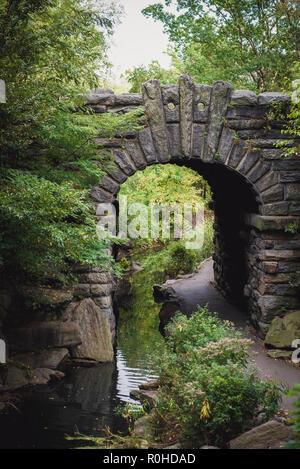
(86, 399)
(83, 402)
(138, 335)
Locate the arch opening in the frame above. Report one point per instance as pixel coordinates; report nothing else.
(232, 199)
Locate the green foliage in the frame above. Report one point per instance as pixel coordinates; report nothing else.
(167, 184)
(293, 115)
(181, 260)
(51, 52)
(130, 412)
(295, 444)
(45, 226)
(292, 228)
(139, 75)
(248, 43)
(207, 391)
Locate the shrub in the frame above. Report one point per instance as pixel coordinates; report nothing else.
(207, 391)
(181, 260)
(295, 444)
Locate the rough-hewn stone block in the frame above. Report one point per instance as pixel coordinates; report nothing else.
(243, 98)
(134, 151)
(220, 98)
(109, 185)
(174, 140)
(277, 254)
(225, 144)
(276, 209)
(270, 267)
(99, 290)
(115, 172)
(123, 161)
(267, 181)
(152, 96)
(201, 103)
(249, 162)
(198, 139)
(170, 96)
(272, 154)
(246, 124)
(96, 278)
(146, 142)
(287, 165)
(258, 171)
(186, 90)
(274, 194)
(238, 152)
(294, 209)
(292, 192)
(246, 112)
(100, 195)
(290, 176)
(128, 99)
(272, 97)
(82, 289)
(268, 223)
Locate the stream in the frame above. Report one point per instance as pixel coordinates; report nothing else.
(86, 400)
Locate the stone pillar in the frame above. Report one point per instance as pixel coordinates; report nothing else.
(273, 255)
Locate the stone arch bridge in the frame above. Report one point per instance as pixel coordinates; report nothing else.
(230, 138)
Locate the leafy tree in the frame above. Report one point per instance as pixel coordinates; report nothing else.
(50, 52)
(293, 126)
(167, 184)
(139, 75)
(250, 43)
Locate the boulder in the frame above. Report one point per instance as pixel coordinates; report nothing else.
(41, 335)
(150, 385)
(270, 97)
(149, 397)
(270, 435)
(141, 426)
(96, 337)
(45, 359)
(44, 376)
(47, 296)
(16, 377)
(283, 331)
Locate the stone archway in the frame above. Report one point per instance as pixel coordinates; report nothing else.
(227, 136)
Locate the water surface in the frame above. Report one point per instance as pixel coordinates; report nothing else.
(86, 399)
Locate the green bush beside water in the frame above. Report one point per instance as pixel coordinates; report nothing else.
(208, 394)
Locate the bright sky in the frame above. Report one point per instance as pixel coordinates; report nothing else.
(138, 40)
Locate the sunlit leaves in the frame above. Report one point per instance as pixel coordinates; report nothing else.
(252, 44)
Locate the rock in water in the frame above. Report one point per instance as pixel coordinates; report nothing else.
(49, 358)
(40, 335)
(95, 333)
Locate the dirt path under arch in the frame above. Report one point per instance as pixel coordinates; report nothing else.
(199, 290)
